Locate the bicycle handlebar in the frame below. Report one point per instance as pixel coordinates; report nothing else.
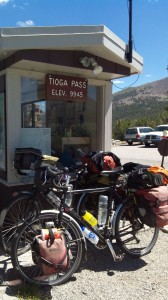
(113, 171)
(64, 182)
(52, 173)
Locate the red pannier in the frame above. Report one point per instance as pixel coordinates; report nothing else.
(50, 255)
(153, 206)
(100, 161)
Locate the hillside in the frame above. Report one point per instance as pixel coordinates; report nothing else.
(142, 101)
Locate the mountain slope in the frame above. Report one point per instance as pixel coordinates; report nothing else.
(142, 101)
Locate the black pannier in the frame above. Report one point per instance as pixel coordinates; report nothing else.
(139, 177)
(25, 158)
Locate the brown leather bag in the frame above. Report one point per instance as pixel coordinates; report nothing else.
(50, 255)
(155, 202)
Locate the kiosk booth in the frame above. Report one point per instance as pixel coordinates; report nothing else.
(56, 91)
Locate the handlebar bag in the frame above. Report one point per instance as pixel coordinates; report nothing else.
(153, 206)
(25, 158)
(50, 255)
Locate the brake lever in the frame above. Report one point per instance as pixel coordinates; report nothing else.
(45, 177)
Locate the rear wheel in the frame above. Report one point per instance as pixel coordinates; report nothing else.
(11, 218)
(130, 143)
(134, 238)
(25, 263)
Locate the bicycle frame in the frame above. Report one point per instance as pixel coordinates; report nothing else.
(104, 237)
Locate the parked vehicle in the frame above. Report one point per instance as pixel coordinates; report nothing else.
(154, 137)
(135, 134)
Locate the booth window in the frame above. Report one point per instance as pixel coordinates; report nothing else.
(34, 114)
(71, 123)
(33, 108)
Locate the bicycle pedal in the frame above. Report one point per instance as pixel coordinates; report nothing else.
(100, 246)
(119, 257)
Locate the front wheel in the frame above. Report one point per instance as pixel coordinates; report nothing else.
(26, 264)
(134, 238)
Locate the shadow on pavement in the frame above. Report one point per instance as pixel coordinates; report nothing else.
(97, 261)
(11, 285)
(102, 260)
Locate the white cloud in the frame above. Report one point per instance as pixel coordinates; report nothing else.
(25, 23)
(153, 1)
(148, 75)
(3, 2)
(119, 81)
(23, 6)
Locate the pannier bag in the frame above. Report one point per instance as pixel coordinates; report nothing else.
(25, 158)
(50, 254)
(153, 206)
(99, 161)
(142, 178)
(131, 166)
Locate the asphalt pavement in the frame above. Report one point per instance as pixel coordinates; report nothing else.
(139, 154)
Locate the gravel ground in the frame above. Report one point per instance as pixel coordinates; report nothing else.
(102, 278)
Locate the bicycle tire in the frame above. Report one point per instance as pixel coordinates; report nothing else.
(21, 207)
(88, 202)
(133, 237)
(24, 263)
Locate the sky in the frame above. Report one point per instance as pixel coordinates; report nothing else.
(149, 26)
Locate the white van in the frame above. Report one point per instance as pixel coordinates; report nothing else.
(135, 134)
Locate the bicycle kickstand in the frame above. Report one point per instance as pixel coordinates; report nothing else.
(116, 257)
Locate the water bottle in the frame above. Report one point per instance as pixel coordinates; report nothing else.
(89, 218)
(102, 210)
(68, 199)
(92, 237)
